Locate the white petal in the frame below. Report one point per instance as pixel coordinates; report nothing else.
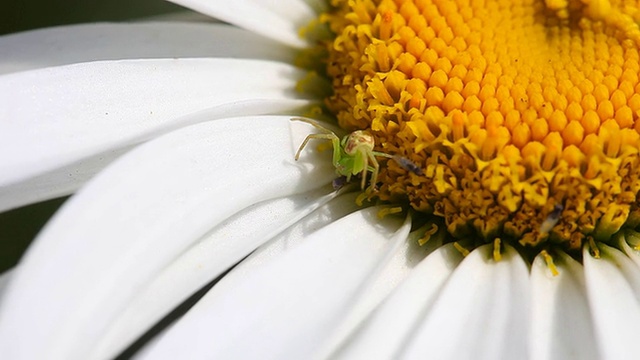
(277, 19)
(623, 241)
(287, 307)
(4, 280)
(216, 252)
(295, 235)
(284, 242)
(397, 318)
(61, 124)
(613, 286)
(135, 218)
(561, 325)
(181, 15)
(399, 262)
(102, 41)
(483, 303)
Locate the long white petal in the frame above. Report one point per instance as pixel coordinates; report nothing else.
(613, 286)
(216, 252)
(105, 41)
(133, 220)
(285, 308)
(61, 124)
(397, 318)
(483, 303)
(561, 326)
(295, 235)
(400, 261)
(277, 19)
(283, 243)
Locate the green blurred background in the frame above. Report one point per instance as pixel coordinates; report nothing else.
(18, 227)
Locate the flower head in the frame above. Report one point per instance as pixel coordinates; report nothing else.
(522, 114)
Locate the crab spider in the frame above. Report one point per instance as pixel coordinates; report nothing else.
(352, 155)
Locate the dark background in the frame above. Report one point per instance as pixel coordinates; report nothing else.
(19, 15)
(18, 227)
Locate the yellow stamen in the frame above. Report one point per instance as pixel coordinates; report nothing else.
(461, 249)
(430, 231)
(550, 264)
(361, 198)
(388, 211)
(593, 248)
(497, 255)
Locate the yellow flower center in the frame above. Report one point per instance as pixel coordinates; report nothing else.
(522, 114)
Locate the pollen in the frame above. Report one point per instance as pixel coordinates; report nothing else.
(521, 114)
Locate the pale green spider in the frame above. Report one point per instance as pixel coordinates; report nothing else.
(352, 156)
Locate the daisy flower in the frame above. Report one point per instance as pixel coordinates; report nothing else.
(466, 187)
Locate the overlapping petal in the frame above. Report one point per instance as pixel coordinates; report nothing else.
(613, 287)
(483, 303)
(63, 124)
(561, 326)
(210, 257)
(397, 319)
(132, 221)
(71, 44)
(292, 303)
(401, 261)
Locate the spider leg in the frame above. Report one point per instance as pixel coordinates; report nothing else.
(365, 155)
(334, 140)
(314, 124)
(327, 134)
(376, 169)
(381, 154)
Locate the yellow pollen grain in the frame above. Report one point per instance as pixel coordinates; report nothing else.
(508, 107)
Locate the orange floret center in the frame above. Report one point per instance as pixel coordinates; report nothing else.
(513, 109)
